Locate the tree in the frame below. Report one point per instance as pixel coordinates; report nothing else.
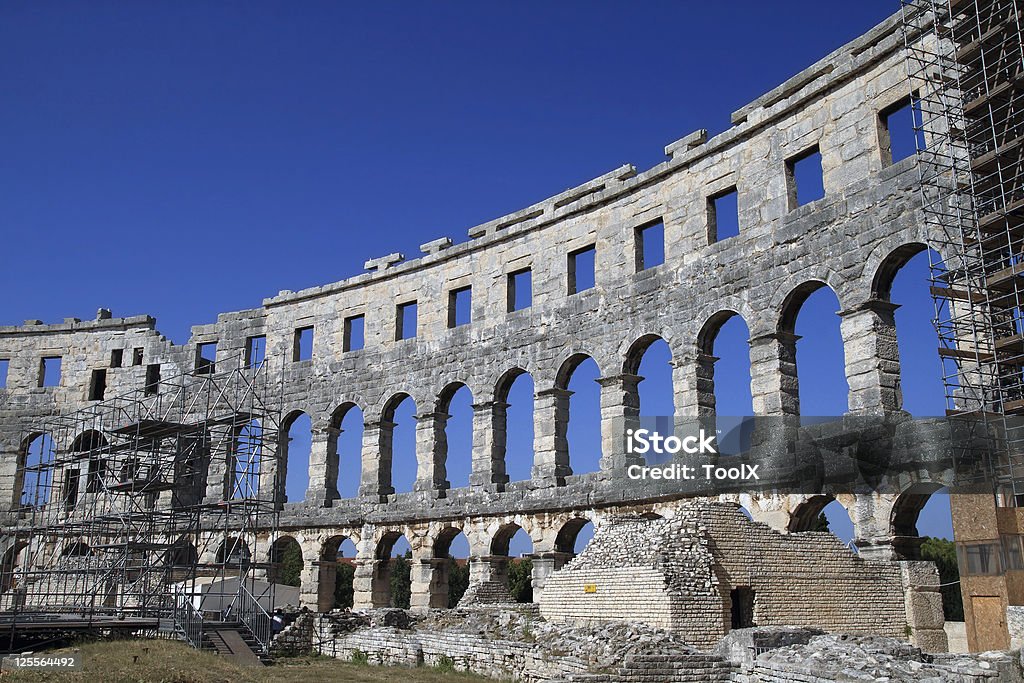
(943, 553)
(458, 580)
(400, 580)
(291, 565)
(820, 524)
(344, 596)
(520, 575)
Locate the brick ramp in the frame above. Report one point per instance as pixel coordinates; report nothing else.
(228, 642)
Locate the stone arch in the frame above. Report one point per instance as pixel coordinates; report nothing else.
(296, 438)
(9, 566)
(512, 417)
(282, 551)
(407, 457)
(565, 540)
(334, 581)
(635, 352)
(76, 549)
(383, 567)
(805, 515)
(786, 339)
(34, 474)
(181, 559)
(449, 576)
(502, 565)
(451, 411)
(344, 461)
(903, 518)
(708, 391)
(576, 443)
(233, 552)
(886, 271)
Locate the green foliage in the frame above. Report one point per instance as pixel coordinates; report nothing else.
(943, 553)
(458, 581)
(400, 581)
(820, 524)
(360, 657)
(344, 596)
(520, 573)
(291, 565)
(445, 664)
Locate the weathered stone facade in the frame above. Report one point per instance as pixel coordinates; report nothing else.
(853, 240)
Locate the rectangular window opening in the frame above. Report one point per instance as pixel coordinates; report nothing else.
(804, 178)
(152, 379)
(206, 358)
(650, 245)
(5, 366)
(355, 331)
(460, 306)
(71, 488)
(98, 385)
(255, 351)
(723, 215)
(97, 473)
(137, 357)
(405, 321)
(117, 358)
(520, 289)
(900, 130)
(582, 269)
(302, 347)
(49, 371)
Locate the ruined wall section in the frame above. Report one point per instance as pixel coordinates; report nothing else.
(869, 210)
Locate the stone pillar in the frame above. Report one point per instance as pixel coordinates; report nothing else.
(327, 577)
(693, 382)
(429, 584)
(431, 453)
(620, 411)
(309, 584)
(323, 467)
(363, 583)
(871, 515)
(544, 565)
(489, 433)
(550, 444)
(219, 473)
(872, 357)
(773, 381)
(376, 459)
(923, 601)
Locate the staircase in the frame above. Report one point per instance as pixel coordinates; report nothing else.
(231, 639)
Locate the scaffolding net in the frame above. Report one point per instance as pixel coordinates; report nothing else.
(146, 508)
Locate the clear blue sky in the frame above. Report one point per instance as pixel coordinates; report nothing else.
(182, 160)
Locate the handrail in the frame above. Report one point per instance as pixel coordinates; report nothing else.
(254, 617)
(188, 621)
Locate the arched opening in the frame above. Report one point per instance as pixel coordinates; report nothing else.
(244, 475)
(398, 442)
(655, 394)
(580, 419)
(922, 529)
(573, 537)
(10, 566)
(181, 559)
(810, 312)
(392, 576)
(286, 562)
(724, 371)
(824, 513)
(337, 571)
(903, 279)
(36, 471)
(516, 390)
(514, 544)
(455, 441)
(77, 549)
(233, 552)
(450, 577)
(296, 447)
(347, 450)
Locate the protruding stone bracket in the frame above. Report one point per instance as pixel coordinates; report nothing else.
(384, 262)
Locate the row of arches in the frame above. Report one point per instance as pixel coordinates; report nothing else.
(430, 443)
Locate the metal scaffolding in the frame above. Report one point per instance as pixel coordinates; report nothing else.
(146, 508)
(966, 65)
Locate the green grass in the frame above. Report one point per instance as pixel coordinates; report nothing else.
(164, 661)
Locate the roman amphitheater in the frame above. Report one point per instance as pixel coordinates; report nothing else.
(126, 474)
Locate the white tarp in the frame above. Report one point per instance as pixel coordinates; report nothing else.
(214, 594)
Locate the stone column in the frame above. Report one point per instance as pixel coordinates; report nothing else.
(363, 583)
(872, 357)
(431, 453)
(489, 433)
(620, 411)
(309, 584)
(323, 467)
(429, 584)
(871, 515)
(218, 476)
(376, 459)
(544, 565)
(550, 444)
(327, 577)
(923, 603)
(693, 381)
(773, 381)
